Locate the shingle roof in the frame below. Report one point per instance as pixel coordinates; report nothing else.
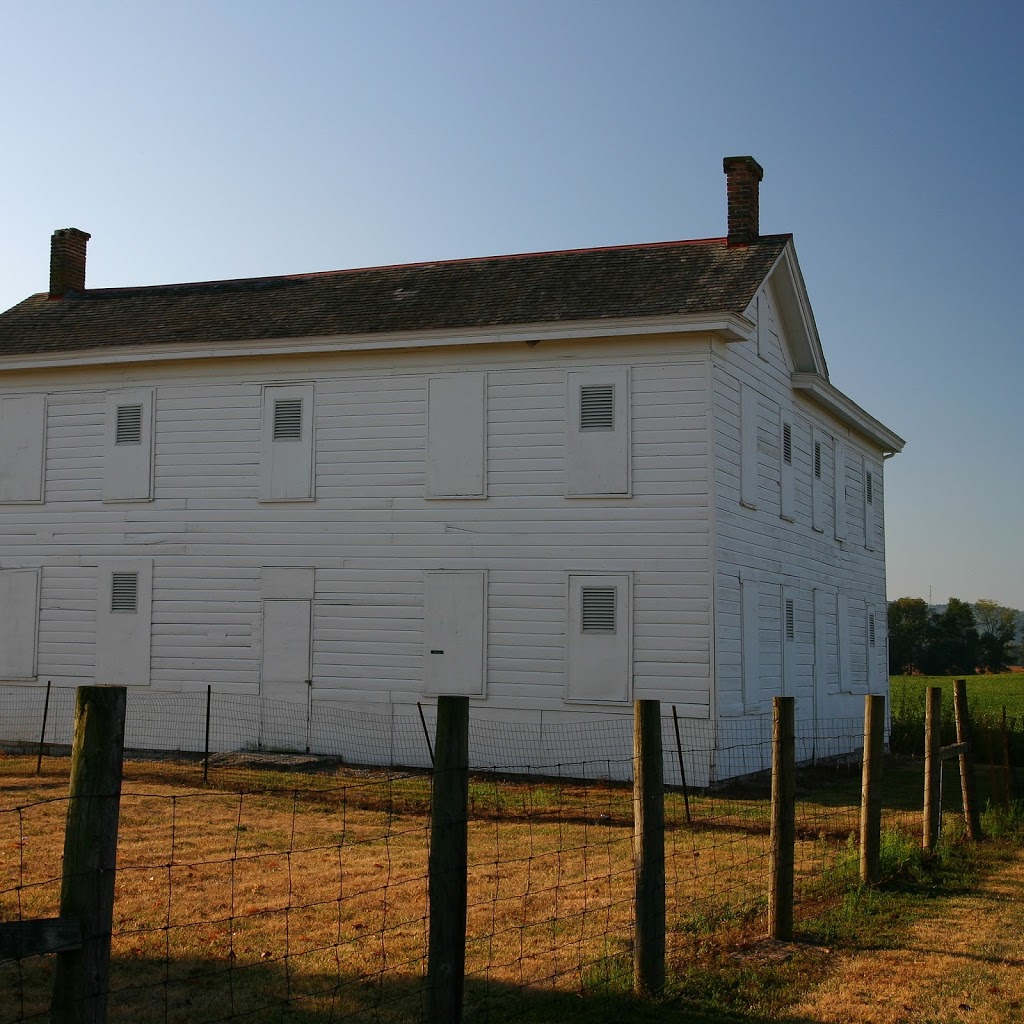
(666, 278)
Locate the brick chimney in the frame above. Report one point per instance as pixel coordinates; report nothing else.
(67, 261)
(743, 175)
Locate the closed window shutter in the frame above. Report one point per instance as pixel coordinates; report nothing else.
(124, 592)
(790, 620)
(871, 629)
(129, 424)
(598, 609)
(787, 444)
(870, 489)
(597, 407)
(817, 459)
(288, 419)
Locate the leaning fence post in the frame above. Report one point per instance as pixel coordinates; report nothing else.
(932, 817)
(649, 848)
(447, 863)
(1007, 769)
(963, 735)
(682, 767)
(206, 742)
(81, 978)
(871, 790)
(783, 828)
(46, 711)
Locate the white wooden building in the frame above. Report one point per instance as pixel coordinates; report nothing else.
(556, 482)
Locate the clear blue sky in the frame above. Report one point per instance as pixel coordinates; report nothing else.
(218, 140)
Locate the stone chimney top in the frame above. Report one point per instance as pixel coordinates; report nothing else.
(743, 175)
(67, 261)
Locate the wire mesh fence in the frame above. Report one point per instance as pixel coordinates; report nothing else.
(271, 894)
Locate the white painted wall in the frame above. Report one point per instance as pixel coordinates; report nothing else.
(371, 528)
(803, 536)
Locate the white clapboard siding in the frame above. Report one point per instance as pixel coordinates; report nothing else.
(786, 554)
(372, 531)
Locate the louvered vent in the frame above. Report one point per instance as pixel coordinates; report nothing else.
(124, 592)
(129, 424)
(597, 407)
(790, 620)
(787, 444)
(598, 609)
(871, 629)
(817, 459)
(288, 419)
(870, 489)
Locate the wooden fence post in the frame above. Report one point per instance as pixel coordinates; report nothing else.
(649, 848)
(871, 790)
(449, 812)
(783, 828)
(82, 976)
(46, 711)
(1007, 768)
(932, 817)
(972, 818)
(206, 741)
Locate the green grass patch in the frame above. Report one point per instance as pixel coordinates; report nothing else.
(986, 697)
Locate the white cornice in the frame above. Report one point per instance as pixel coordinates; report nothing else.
(819, 390)
(726, 326)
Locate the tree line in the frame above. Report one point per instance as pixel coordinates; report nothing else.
(956, 640)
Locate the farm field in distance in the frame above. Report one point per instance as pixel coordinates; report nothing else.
(986, 693)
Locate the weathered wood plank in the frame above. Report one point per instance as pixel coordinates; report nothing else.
(20, 939)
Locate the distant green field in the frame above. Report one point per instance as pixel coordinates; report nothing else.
(986, 697)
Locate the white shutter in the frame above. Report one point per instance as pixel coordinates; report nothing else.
(457, 436)
(750, 642)
(869, 506)
(788, 642)
(822, 612)
(128, 446)
(748, 446)
(454, 633)
(19, 623)
(597, 433)
(286, 451)
(599, 639)
(840, 490)
(843, 626)
(873, 646)
(786, 480)
(22, 447)
(124, 621)
(817, 480)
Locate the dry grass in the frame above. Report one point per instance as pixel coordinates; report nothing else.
(961, 962)
(258, 889)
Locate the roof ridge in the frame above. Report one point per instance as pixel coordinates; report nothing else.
(311, 275)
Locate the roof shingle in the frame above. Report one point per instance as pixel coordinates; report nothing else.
(667, 278)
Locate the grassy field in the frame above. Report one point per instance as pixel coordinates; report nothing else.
(987, 695)
(266, 890)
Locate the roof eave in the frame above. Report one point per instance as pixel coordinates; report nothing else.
(819, 390)
(726, 326)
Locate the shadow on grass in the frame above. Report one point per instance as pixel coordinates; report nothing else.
(206, 991)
